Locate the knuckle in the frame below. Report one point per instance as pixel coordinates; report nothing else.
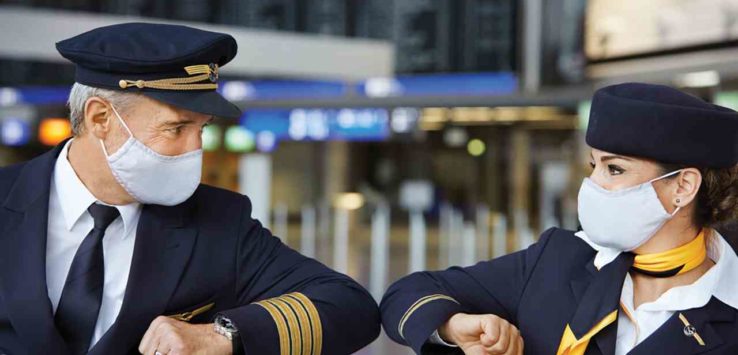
(177, 340)
(169, 327)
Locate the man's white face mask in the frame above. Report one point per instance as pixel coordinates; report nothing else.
(152, 178)
(622, 219)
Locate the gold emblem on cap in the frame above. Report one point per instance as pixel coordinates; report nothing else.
(213, 72)
(200, 72)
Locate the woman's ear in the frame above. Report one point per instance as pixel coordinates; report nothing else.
(687, 185)
(97, 121)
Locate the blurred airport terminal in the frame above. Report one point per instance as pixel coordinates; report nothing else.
(389, 136)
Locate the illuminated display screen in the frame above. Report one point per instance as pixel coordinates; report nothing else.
(461, 84)
(15, 132)
(364, 124)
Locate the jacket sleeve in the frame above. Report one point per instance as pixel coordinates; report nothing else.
(293, 304)
(418, 304)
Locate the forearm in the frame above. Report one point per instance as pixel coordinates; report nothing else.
(416, 306)
(336, 317)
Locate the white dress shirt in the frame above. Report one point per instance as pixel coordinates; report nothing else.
(69, 223)
(636, 324)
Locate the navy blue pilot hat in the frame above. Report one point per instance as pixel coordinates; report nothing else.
(174, 64)
(663, 124)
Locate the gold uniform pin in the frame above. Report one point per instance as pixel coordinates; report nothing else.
(187, 316)
(690, 330)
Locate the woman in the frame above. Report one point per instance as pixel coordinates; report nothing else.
(648, 274)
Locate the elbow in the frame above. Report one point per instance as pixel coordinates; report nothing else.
(372, 318)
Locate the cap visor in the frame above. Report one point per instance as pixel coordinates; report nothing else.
(206, 102)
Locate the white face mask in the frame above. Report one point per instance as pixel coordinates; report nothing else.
(622, 219)
(152, 178)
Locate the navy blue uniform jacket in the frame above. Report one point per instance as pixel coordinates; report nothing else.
(204, 254)
(538, 290)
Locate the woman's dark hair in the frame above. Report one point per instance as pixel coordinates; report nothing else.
(717, 199)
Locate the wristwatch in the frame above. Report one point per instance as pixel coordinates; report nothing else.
(223, 326)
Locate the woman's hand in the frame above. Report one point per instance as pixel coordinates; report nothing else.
(483, 334)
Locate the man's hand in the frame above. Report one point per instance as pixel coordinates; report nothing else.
(483, 334)
(172, 337)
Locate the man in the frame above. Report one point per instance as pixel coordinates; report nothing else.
(109, 244)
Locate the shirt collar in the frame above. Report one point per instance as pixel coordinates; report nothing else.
(718, 281)
(75, 198)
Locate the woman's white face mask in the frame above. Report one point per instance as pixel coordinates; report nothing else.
(152, 178)
(622, 219)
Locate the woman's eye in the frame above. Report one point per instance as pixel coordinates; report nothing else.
(615, 170)
(592, 165)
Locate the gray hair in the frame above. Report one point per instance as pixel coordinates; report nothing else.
(81, 93)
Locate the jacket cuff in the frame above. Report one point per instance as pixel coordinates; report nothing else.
(289, 322)
(436, 339)
(424, 317)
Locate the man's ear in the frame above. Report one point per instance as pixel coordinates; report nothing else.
(688, 183)
(97, 117)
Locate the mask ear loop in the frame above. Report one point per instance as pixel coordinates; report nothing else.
(676, 211)
(124, 126)
(121, 120)
(665, 176)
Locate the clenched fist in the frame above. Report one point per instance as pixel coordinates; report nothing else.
(167, 336)
(483, 334)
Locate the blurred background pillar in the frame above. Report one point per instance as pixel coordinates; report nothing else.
(255, 180)
(520, 183)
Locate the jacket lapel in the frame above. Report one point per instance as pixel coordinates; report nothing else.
(587, 292)
(164, 243)
(672, 338)
(23, 228)
(580, 282)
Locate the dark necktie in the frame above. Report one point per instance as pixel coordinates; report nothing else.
(82, 294)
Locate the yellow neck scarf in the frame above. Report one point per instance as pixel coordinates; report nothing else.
(665, 264)
(675, 261)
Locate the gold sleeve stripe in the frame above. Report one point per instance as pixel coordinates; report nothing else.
(306, 329)
(284, 348)
(314, 321)
(293, 325)
(419, 303)
(309, 326)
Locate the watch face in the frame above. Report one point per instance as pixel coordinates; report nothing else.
(225, 323)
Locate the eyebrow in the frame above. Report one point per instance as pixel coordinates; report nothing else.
(610, 157)
(185, 121)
